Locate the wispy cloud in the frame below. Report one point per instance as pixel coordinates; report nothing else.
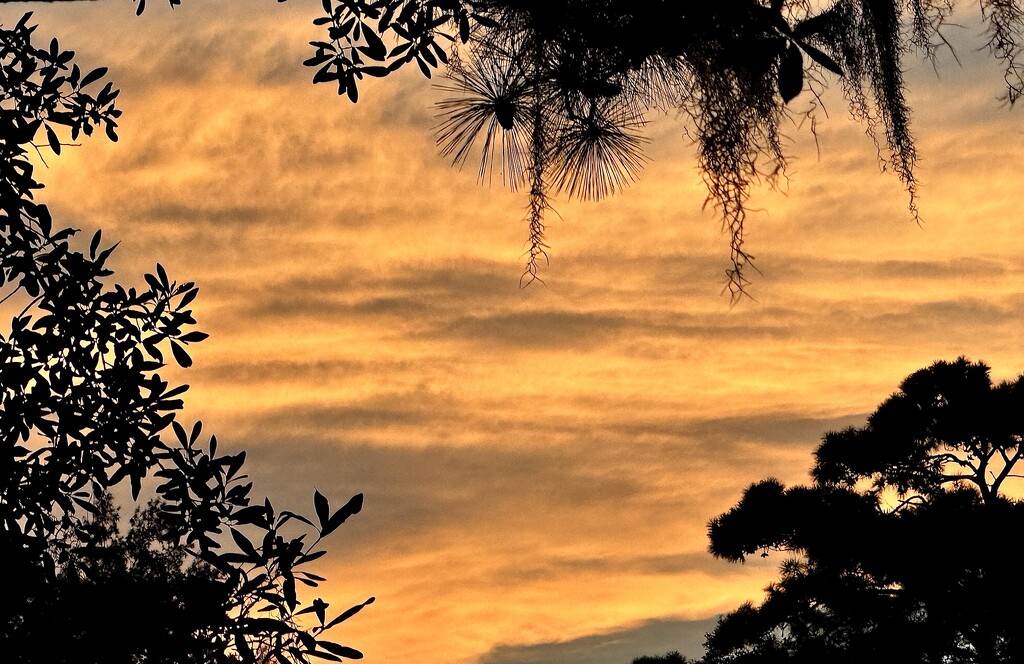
(621, 646)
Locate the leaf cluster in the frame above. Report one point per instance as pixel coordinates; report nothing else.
(83, 406)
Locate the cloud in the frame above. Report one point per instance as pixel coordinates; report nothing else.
(619, 646)
(793, 270)
(426, 295)
(557, 567)
(487, 482)
(580, 330)
(770, 429)
(279, 371)
(478, 302)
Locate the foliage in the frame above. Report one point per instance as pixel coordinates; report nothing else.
(668, 658)
(902, 548)
(555, 92)
(165, 606)
(83, 407)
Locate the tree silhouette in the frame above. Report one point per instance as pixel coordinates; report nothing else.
(83, 408)
(164, 604)
(902, 549)
(554, 93)
(668, 658)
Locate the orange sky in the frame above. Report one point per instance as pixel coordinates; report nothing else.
(539, 465)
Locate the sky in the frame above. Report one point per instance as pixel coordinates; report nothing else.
(539, 465)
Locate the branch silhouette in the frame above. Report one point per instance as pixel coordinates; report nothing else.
(83, 408)
(559, 91)
(556, 92)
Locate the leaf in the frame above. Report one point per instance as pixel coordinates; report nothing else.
(95, 244)
(348, 613)
(187, 298)
(252, 584)
(286, 515)
(325, 74)
(51, 138)
(376, 71)
(235, 463)
(791, 74)
(288, 590)
(423, 66)
(822, 59)
(352, 507)
(245, 545)
(105, 254)
(309, 557)
(107, 94)
(180, 356)
(375, 48)
(428, 56)
(318, 59)
(319, 608)
(181, 389)
(252, 515)
(812, 25)
(322, 507)
(94, 75)
(340, 650)
(87, 505)
(441, 55)
(486, 21)
(194, 337)
(179, 432)
(400, 49)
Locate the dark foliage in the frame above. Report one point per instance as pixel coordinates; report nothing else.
(83, 407)
(668, 658)
(903, 548)
(554, 92)
(165, 604)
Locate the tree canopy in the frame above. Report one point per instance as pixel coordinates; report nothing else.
(903, 548)
(554, 93)
(165, 605)
(83, 407)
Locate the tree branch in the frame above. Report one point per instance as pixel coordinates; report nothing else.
(949, 457)
(1007, 467)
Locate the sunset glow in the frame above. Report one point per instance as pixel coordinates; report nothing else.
(539, 464)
